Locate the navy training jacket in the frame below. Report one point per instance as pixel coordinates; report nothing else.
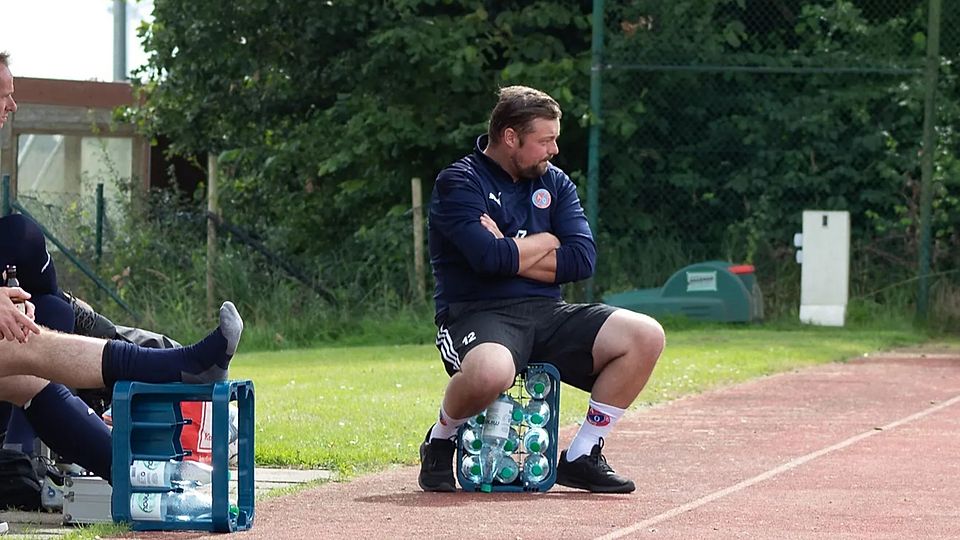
(469, 263)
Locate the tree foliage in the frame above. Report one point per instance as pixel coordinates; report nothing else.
(322, 112)
(736, 115)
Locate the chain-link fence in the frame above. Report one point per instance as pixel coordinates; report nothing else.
(722, 120)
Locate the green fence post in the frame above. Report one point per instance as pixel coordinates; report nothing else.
(593, 154)
(926, 159)
(5, 209)
(65, 251)
(99, 231)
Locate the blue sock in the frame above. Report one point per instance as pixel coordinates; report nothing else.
(203, 362)
(71, 429)
(5, 408)
(20, 435)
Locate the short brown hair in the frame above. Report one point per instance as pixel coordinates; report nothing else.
(4, 59)
(517, 108)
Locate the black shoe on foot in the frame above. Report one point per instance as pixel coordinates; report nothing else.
(88, 322)
(436, 464)
(591, 472)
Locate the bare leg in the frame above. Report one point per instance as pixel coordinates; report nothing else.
(19, 389)
(65, 358)
(486, 371)
(624, 354)
(80, 362)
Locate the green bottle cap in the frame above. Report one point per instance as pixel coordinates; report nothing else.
(481, 418)
(509, 446)
(506, 472)
(517, 415)
(234, 510)
(536, 419)
(535, 447)
(537, 470)
(539, 387)
(476, 444)
(475, 469)
(486, 488)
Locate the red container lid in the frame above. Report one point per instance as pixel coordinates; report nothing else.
(741, 268)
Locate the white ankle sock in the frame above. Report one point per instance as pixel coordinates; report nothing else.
(598, 423)
(446, 426)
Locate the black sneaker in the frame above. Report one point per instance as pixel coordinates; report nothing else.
(591, 472)
(436, 464)
(88, 322)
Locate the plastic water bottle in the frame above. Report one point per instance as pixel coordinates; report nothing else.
(477, 421)
(507, 470)
(536, 469)
(512, 444)
(537, 413)
(517, 414)
(536, 441)
(470, 466)
(234, 434)
(471, 440)
(496, 431)
(191, 505)
(170, 473)
(538, 385)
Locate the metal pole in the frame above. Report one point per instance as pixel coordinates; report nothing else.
(99, 231)
(593, 154)
(418, 271)
(213, 208)
(119, 40)
(927, 158)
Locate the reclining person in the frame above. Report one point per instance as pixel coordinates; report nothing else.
(32, 356)
(22, 245)
(62, 420)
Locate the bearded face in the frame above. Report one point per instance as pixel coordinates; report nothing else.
(531, 155)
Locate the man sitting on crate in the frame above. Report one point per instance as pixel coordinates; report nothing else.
(506, 229)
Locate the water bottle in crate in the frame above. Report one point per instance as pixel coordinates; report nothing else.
(155, 488)
(512, 446)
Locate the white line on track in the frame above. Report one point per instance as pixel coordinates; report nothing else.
(792, 464)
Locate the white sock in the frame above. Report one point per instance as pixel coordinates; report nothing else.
(446, 426)
(598, 423)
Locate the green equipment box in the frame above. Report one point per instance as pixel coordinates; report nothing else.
(707, 291)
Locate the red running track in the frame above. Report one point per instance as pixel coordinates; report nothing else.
(864, 449)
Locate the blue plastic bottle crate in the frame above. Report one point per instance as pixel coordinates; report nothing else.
(146, 426)
(518, 392)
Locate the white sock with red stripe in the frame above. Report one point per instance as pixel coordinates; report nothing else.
(446, 426)
(598, 423)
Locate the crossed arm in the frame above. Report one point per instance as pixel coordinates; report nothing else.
(538, 252)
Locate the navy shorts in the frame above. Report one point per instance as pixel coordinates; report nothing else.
(544, 330)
